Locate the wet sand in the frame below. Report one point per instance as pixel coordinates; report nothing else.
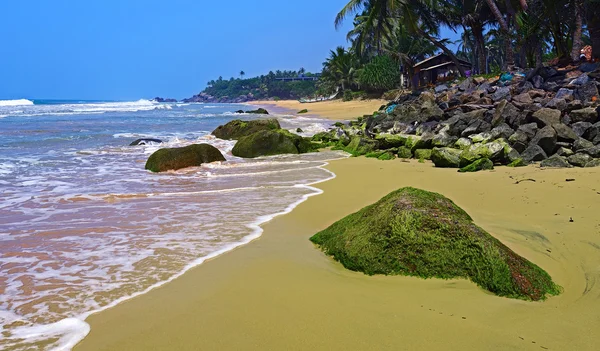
(335, 110)
(281, 293)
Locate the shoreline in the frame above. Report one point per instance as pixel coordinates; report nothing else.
(335, 110)
(203, 307)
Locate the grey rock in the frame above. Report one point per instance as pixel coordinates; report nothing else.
(533, 153)
(502, 131)
(580, 128)
(592, 151)
(547, 117)
(556, 162)
(463, 143)
(588, 114)
(564, 93)
(582, 79)
(498, 117)
(546, 139)
(523, 98)
(564, 133)
(588, 67)
(501, 93)
(476, 126)
(574, 105)
(557, 104)
(579, 159)
(441, 88)
(563, 151)
(446, 157)
(538, 81)
(530, 129)
(519, 140)
(587, 91)
(443, 139)
(466, 84)
(593, 163)
(548, 72)
(581, 144)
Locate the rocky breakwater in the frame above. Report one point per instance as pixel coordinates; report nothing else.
(548, 115)
(263, 137)
(204, 98)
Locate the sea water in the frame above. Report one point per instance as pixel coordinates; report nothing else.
(83, 226)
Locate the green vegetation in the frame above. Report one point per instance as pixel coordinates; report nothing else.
(479, 165)
(238, 128)
(381, 74)
(423, 154)
(419, 233)
(302, 111)
(181, 157)
(263, 87)
(517, 163)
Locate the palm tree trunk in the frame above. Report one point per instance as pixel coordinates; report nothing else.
(509, 61)
(479, 47)
(446, 51)
(577, 41)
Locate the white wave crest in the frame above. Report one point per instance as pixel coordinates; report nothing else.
(20, 102)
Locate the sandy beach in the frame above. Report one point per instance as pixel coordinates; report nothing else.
(335, 110)
(281, 293)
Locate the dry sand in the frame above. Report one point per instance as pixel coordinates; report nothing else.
(335, 110)
(281, 293)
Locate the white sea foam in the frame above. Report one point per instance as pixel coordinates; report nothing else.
(20, 102)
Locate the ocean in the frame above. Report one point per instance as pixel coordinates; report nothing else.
(83, 226)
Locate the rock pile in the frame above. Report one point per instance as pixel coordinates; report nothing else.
(547, 115)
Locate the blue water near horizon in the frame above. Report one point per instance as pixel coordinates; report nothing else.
(84, 226)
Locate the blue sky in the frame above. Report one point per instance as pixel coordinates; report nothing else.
(132, 49)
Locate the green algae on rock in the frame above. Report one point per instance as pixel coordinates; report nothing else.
(479, 165)
(272, 142)
(181, 157)
(238, 128)
(419, 233)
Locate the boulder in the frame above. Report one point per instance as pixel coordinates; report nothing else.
(446, 157)
(579, 159)
(501, 93)
(545, 138)
(443, 139)
(582, 79)
(519, 140)
(581, 144)
(593, 163)
(418, 233)
(360, 146)
(592, 151)
(517, 163)
(237, 129)
(182, 157)
(404, 152)
(463, 143)
(271, 142)
(145, 141)
(587, 92)
(498, 116)
(388, 141)
(538, 82)
(529, 129)
(479, 165)
(564, 93)
(563, 151)
(423, 154)
(440, 88)
(588, 114)
(580, 128)
(476, 126)
(259, 111)
(533, 153)
(557, 104)
(523, 98)
(513, 116)
(556, 162)
(547, 117)
(564, 133)
(502, 131)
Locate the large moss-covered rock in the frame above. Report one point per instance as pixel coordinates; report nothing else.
(272, 142)
(361, 146)
(181, 157)
(238, 128)
(446, 157)
(419, 233)
(423, 154)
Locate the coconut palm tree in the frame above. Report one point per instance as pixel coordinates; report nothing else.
(242, 74)
(340, 70)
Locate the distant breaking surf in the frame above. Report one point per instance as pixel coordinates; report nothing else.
(20, 102)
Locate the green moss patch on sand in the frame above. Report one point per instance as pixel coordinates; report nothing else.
(420, 233)
(182, 157)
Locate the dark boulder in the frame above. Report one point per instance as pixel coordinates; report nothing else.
(587, 92)
(519, 140)
(588, 114)
(564, 133)
(533, 153)
(259, 111)
(272, 142)
(592, 151)
(479, 165)
(556, 162)
(446, 157)
(182, 157)
(546, 117)
(579, 159)
(580, 128)
(545, 138)
(238, 128)
(145, 141)
(581, 144)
